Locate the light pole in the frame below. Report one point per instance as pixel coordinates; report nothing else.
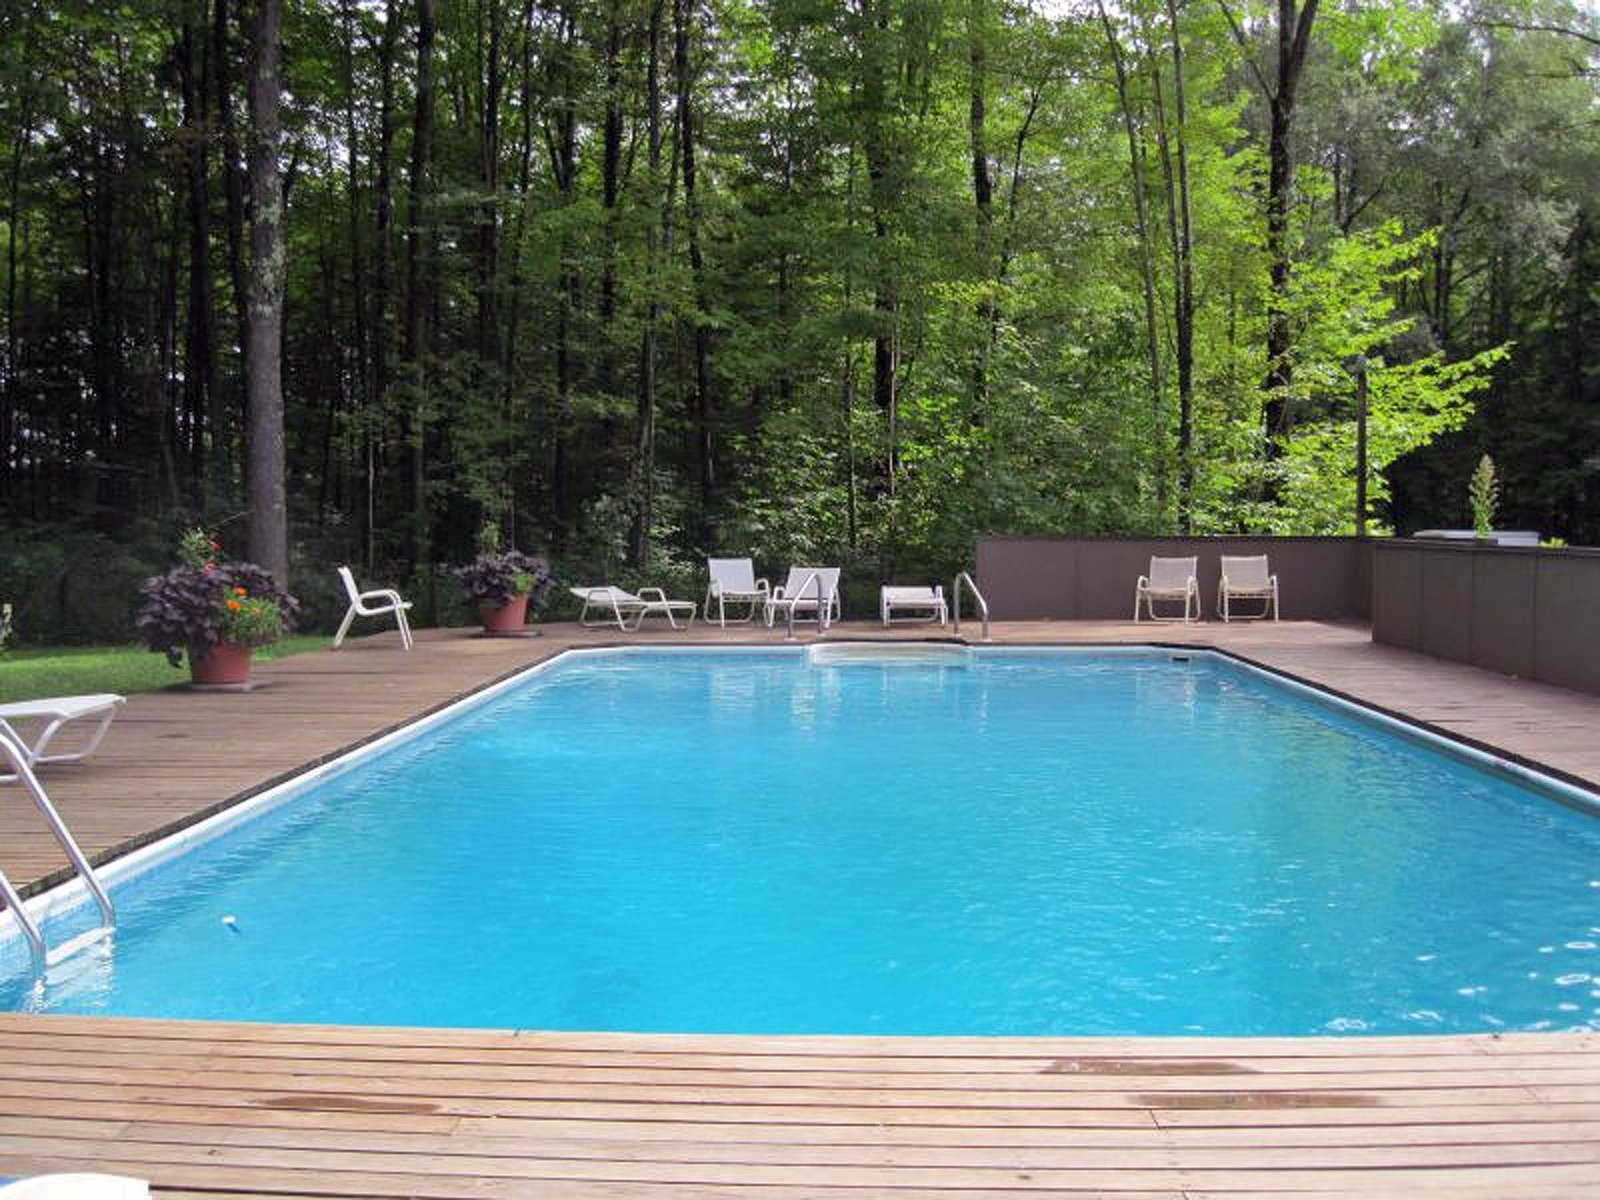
(1356, 364)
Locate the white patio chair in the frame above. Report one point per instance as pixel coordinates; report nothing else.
(802, 591)
(57, 713)
(75, 1186)
(1245, 577)
(620, 605)
(1170, 579)
(733, 581)
(928, 602)
(372, 604)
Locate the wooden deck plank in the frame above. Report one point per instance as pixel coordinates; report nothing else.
(211, 1109)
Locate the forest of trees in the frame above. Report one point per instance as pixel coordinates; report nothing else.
(853, 280)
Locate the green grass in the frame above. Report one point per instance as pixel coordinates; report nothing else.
(31, 672)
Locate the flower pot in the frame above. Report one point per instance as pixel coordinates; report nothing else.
(509, 617)
(224, 663)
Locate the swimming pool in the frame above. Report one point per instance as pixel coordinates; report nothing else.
(994, 842)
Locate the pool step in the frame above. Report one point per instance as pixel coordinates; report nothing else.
(910, 654)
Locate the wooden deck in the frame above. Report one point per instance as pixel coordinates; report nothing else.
(208, 1109)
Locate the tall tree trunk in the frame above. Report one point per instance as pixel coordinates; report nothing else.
(610, 183)
(1147, 267)
(13, 365)
(645, 416)
(489, 175)
(418, 277)
(881, 197)
(269, 522)
(202, 393)
(682, 17)
(1294, 37)
(1183, 301)
(233, 188)
(561, 137)
(382, 268)
(983, 200)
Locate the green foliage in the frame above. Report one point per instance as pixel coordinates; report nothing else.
(831, 353)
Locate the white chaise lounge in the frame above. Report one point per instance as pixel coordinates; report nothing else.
(1171, 580)
(76, 1186)
(51, 716)
(733, 581)
(801, 592)
(927, 602)
(372, 604)
(622, 607)
(1246, 577)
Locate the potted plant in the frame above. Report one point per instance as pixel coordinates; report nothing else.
(502, 584)
(212, 611)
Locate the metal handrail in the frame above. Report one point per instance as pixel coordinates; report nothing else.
(824, 603)
(30, 928)
(955, 603)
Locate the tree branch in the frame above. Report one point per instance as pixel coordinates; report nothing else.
(1519, 27)
(1244, 45)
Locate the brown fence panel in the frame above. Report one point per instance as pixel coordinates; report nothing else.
(1523, 611)
(1042, 578)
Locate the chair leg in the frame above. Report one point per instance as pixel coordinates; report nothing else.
(344, 627)
(405, 627)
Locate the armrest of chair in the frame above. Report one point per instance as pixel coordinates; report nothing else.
(660, 595)
(1144, 582)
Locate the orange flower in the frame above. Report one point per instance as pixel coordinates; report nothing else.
(239, 591)
(234, 606)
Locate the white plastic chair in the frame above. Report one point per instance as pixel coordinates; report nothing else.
(733, 581)
(622, 604)
(75, 1186)
(927, 601)
(1170, 579)
(1245, 577)
(372, 604)
(58, 712)
(802, 591)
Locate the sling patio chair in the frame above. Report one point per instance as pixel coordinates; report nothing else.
(620, 606)
(1245, 577)
(1170, 580)
(733, 581)
(52, 715)
(801, 593)
(372, 604)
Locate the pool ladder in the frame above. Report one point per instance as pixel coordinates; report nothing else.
(955, 603)
(42, 956)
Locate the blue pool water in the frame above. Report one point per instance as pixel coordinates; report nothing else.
(1040, 843)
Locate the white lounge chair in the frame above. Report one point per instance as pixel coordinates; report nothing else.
(733, 581)
(1170, 579)
(372, 604)
(802, 591)
(1245, 577)
(56, 713)
(620, 605)
(928, 602)
(76, 1186)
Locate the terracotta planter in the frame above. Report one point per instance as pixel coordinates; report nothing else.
(506, 618)
(224, 663)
